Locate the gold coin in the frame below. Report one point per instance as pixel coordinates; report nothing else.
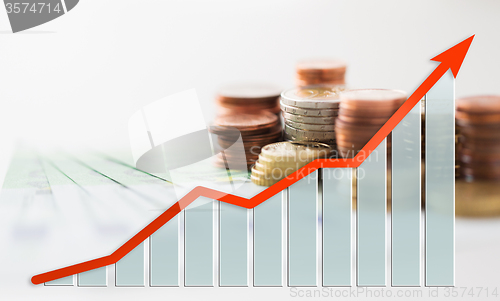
(267, 163)
(259, 166)
(295, 152)
(259, 178)
(277, 171)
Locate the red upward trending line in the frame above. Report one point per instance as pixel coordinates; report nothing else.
(450, 59)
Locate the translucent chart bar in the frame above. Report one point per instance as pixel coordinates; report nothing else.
(406, 199)
(302, 227)
(371, 218)
(130, 269)
(337, 212)
(233, 256)
(440, 183)
(95, 277)
(66, 281)
(164, 255)
(198, 241)
(268, 241)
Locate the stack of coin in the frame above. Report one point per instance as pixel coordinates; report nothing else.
(256, 130)
(362, 113)
(479, 121)
(279, 160)
(310, 112)
(315, 72)
(248, 98)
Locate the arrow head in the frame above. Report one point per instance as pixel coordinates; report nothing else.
(454, 57)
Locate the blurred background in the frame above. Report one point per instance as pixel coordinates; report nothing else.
(75, 81)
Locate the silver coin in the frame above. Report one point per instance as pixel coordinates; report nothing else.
(304, 134)
(313, 97)
(311, 127)
(331, 142)
(309, 112)
(309, 119)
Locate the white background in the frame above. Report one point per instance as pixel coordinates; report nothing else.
(76, 80)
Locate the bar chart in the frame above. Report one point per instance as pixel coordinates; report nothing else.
(312, 233)
(307, 230)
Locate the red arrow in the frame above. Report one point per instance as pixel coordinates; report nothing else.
(450, 59)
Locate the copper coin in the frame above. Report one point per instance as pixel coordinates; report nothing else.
(468, 155)
(366, 112)
(238, 154)
(352, 142)
(480, 131)
(246, 110)
(469, 175)
(480, 170)
(248, 122)
(483, 146)
(379, 100)
(357, 142)
(327, 73)
(478, 159)
(229, 144)
(361, 129)
(305, 83)
(227, 132)
(245, 101)
(480, 104)
(249, 143)
(348, 138)
(350, 146)
(479, 140)
(244, 132)
(340, 136)
(375, 121)
(254, 105)
(482, 165)
(320, 76)
(324, 73)
(478, 118)
(273, 134)
(321, 64)
(378, 109)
